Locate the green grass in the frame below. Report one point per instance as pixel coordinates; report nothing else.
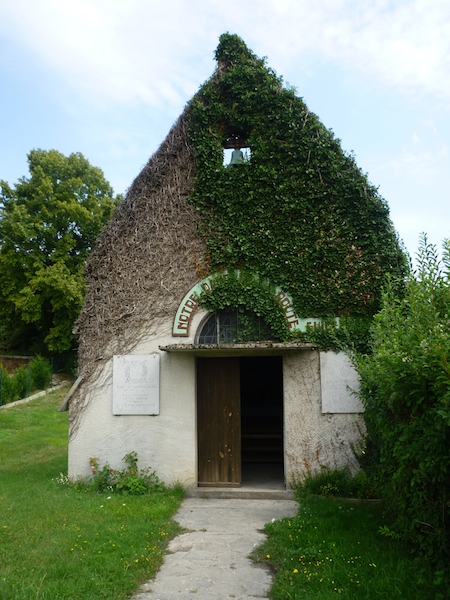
(57, 542)
(60, 543)
(333, 548)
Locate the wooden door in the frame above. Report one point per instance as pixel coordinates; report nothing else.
(218, 422)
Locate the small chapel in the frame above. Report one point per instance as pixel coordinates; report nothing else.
(228, 291)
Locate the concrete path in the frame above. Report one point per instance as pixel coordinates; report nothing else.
(210, 561)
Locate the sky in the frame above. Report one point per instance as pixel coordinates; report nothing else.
(108, 78)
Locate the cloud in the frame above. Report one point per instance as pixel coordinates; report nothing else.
(407, 47)
(159, 53)
(415, 180)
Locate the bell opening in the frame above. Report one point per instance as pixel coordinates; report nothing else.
(230, 157)
(236, 150)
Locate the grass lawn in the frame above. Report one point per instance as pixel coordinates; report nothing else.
(60, 543)
(334, 549)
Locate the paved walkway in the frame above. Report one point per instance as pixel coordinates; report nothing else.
(210, 561)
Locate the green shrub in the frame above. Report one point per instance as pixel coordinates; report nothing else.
(405, 388)
(129, 481)
(40, 373)
(6, 386)
(21, 382)
(37, 376)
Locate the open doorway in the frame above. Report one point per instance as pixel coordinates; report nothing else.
(261, 390)
(240, 421)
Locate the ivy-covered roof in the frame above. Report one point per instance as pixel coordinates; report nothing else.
(299, 212)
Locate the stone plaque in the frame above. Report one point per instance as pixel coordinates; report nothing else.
(136, 384)
(338, 380)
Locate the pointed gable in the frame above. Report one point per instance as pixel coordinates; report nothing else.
(291, 233)
(298, 212)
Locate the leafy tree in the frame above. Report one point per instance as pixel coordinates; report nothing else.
(405, 387)
(48, 226)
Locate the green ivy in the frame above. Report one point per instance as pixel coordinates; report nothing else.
(300, 212)
(239, 289)
(351, 334)
(250, 294)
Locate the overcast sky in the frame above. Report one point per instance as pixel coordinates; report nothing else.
(108, 78)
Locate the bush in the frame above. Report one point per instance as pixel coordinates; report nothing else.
(40, 373)
(37, 376)
(129, 481)
(21, 382)
(405, 388)
(6, 386)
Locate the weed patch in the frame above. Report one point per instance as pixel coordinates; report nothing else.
(129, 481)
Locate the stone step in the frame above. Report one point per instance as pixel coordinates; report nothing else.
(240, 493)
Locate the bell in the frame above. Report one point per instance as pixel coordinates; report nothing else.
(237, 157)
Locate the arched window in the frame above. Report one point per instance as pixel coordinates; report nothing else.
(234, 326)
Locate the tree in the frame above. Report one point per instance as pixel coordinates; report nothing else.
(48, 226)
(405, 388)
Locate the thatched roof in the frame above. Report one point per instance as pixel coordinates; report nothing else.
(300, 213)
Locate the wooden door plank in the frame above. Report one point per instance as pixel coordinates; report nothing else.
(218, 421)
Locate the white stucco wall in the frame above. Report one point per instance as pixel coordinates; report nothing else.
(168, 442)
(314, 439)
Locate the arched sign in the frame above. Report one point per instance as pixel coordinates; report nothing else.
(189, 305)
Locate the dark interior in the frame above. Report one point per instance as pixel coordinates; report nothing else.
(262, 411)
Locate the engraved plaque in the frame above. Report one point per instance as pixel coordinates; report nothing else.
(136, 384)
